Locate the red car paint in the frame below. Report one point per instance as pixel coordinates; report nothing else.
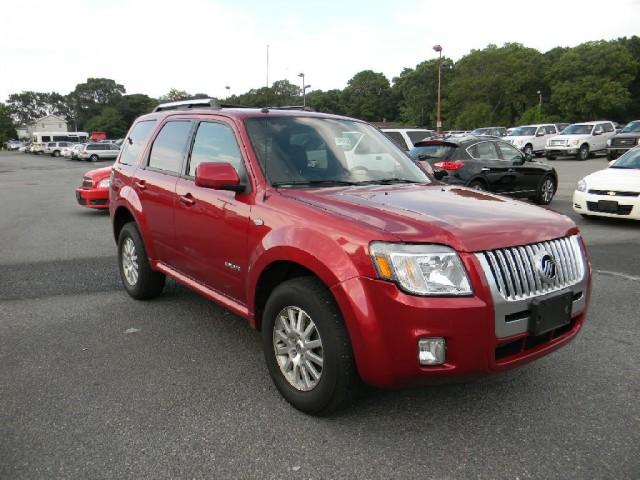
(91, 194)
(328, 231)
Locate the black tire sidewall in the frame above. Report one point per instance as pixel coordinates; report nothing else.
(93, 158)
(149, 283)
(483, 186)
(539, 196)
(325, 314)
(582, 149)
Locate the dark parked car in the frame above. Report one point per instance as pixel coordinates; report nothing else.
(624, 141)
(490, 131)
(488, 164)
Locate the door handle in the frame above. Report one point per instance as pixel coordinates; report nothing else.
(141, 184)
(485, 169)
(188, 199)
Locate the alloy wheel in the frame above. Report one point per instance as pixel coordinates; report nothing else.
(547, 190)
(130, 261)
(298, 348)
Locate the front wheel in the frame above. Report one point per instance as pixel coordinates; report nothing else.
(138, 279)
(56, 153)
(583, 153)
(546, 191)
(550, 157)
(528, 152)
(93, 158)
(307, 347)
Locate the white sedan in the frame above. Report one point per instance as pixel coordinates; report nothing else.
(613, 192)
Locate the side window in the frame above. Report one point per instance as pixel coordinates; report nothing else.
(551, 129)
(215, 142)
(169, 146)
(508, 152)
(608, 127)
(397, 138)
(416, 135)
(92, 147)
(135, 142)
(483, 151)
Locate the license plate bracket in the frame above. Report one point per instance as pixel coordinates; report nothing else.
(550, 313)
(609, 206)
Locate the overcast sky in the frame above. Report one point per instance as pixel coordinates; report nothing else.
(204, 45)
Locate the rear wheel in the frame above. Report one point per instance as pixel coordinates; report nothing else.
(583, 153)
(550, 157)
(138, 279)
(546, 191)
(478, 185)
(307, 347)
(93, 158)
(56, 153)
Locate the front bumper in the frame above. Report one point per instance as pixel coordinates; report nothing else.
(97, 198)
(560, 150)
(385, 325)
(615, 152)
(587, 204)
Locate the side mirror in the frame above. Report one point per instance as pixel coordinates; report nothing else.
(218, 176)
(540, 134)
(597, 133)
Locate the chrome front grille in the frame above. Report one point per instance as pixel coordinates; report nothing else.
(623, 142)
(517, 274)
(556, 143)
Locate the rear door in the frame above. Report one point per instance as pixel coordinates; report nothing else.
(498, 173)
(527, 174)
(211, 225)
(155, 184)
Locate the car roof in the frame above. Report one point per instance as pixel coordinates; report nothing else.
(457, 141)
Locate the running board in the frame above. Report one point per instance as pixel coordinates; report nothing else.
(223, 300)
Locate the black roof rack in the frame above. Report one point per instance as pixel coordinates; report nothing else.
(213, 104)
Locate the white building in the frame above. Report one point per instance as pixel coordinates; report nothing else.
(49, 123)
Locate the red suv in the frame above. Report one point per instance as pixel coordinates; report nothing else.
(351, 260)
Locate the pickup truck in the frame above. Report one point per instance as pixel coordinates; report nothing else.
(351, 271)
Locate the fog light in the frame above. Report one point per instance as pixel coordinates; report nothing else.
(431, 351)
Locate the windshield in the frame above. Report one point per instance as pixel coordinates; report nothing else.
(631, 127)
(577, 130)
(480, 131)
(424, 152)
(307, 151)
(630, 159)
(523, 132)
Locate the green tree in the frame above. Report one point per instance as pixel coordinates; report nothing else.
(494, 86)
(326, 102)
(28, 106)
(592, 80)
(108, 120)
(368, 96)
(88, 99)
(7, 127)
(132, 106)
(175, 95)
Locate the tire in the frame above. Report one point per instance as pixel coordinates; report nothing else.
(546, 191)
(528, 151)
(138, 279)
(550, 157)
(333, 383)
(56, 153)
(478, 185)
(583, 153)
(93, 158)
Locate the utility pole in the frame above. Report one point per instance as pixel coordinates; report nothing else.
(304, 90)
(267, 66)
(540, 106)
(438, 49)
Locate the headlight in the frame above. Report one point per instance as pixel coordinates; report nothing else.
(104, 183)
(575, 141)
(582, 186)
(638, 141)
(421, 269)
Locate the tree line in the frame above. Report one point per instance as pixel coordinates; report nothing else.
(487, 87)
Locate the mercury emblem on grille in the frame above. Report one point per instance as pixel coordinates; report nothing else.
(546, 266)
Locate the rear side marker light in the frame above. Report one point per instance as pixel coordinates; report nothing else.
(455, 165)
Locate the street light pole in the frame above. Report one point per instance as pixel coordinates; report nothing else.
(540, 106)
(438, 49)
(304, 90)
(228, 89)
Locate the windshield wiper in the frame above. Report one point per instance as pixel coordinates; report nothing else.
(388, 181)
(314, 183)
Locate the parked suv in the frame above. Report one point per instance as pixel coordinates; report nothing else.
(406, 138)
(624, 141)
(98, 151)
(488, 164)
(531, 139)
(491, 131)
(376, 272)
(580, 140)
(55, 148)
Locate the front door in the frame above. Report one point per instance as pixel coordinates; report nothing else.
(211, 225)
(498, 174)
(528, 173)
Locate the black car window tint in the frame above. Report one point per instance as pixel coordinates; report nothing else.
(397, 138)
(484, 151)
(170, 145)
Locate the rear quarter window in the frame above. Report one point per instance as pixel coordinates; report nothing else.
(135, 142)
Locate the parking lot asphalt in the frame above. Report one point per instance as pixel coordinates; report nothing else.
(96, 385)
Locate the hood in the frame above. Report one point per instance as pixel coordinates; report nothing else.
(465, 219)
(99, 173)
(571, 137)
(520, 138)
(620, 179)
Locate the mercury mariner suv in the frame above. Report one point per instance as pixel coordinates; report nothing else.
(354, 263)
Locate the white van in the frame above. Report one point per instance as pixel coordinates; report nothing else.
(405, 138)
(40, 139)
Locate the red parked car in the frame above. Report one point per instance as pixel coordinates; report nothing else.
(94, 191)
(352, 261)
